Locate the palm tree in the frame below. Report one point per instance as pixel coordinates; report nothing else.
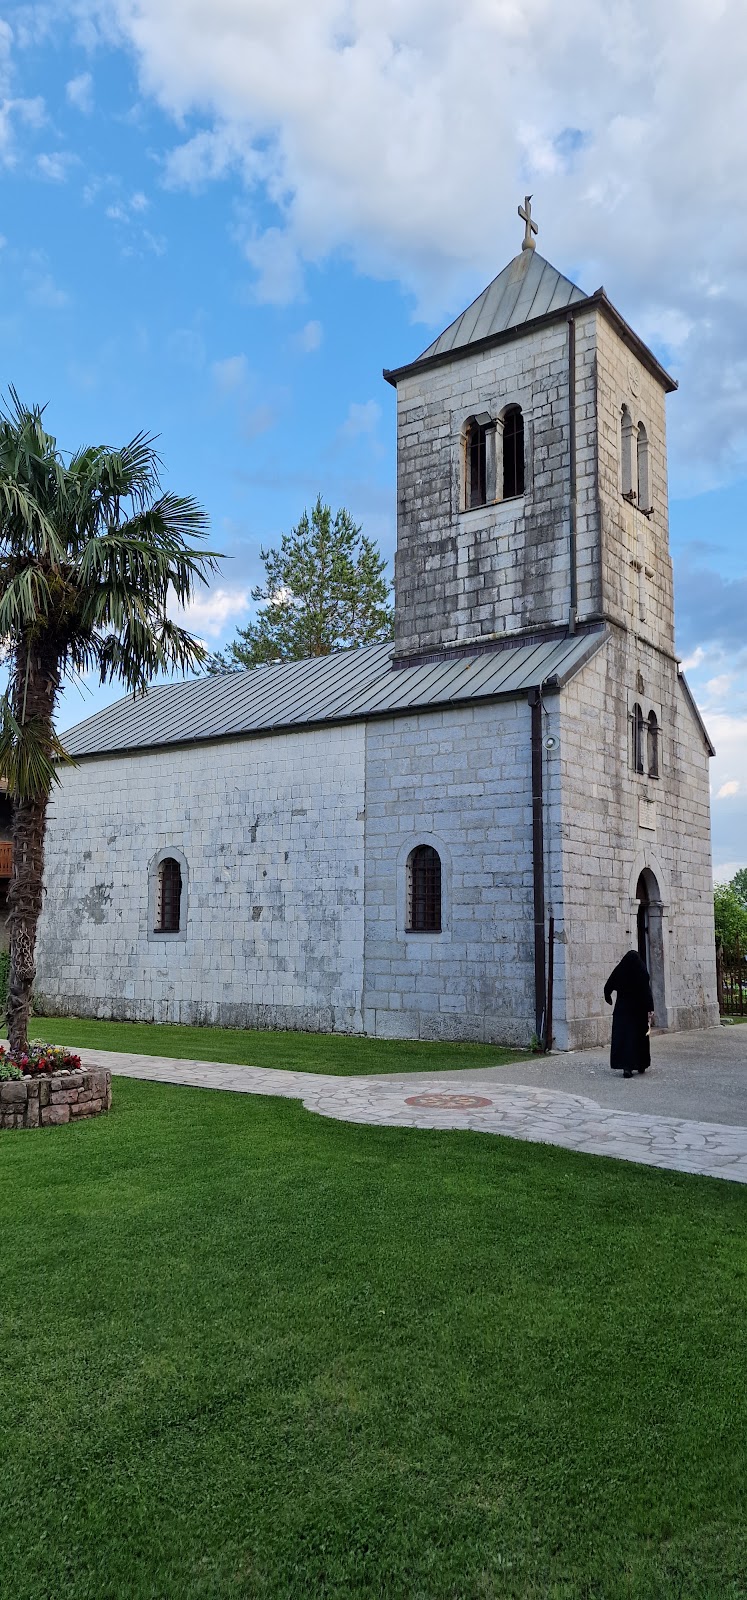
(91, 554)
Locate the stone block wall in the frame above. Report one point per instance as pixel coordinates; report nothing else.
(608, 823)
(461, 781)
(270, 834)
(628, 536)
(43, 1102)
(465, 575)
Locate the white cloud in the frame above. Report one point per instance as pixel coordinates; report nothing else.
(260, 420)
(30, 112)
(718, 688)
(276, 259)
(79, 92)
(310, 337)
(370, 126)
(230, 375)
(361, 419)
(210, 614)
(56, 164)
(728, 790)
(693, 661)
(40, 286)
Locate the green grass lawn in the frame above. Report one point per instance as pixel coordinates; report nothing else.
(342, 1055)
(251, 1352)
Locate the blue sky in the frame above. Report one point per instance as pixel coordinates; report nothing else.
(221, 218)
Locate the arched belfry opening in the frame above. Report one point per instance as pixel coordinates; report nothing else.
(651, 939)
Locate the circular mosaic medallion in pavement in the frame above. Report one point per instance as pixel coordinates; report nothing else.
(448, 1102)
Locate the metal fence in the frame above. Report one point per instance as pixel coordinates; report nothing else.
(731, 983)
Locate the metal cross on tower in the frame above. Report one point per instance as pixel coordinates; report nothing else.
(525, 212)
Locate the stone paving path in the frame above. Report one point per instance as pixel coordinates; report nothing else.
(483, 1102)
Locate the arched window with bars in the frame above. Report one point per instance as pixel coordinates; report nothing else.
(423, 890)
(168, 896)
(652, 744)
(638, 733)
(513, 453)
(475, 462)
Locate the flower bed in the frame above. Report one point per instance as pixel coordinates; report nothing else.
(39, 1057)
(48, 1086)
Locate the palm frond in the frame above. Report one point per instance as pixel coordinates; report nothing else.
(137, 654)
(25, 599)
(29, 754)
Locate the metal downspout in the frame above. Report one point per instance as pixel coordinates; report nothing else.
(572, 450)
(538, 864)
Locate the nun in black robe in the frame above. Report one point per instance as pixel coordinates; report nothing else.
(630, 1049)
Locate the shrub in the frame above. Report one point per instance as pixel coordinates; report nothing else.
(731, 921)
(8, 1069)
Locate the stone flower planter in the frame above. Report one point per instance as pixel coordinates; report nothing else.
(49, 1099)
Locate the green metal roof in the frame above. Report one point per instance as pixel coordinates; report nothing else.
(352, 685)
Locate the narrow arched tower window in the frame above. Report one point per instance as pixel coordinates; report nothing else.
(626, 454)
(513, 453)
(644, 487)
(169, 897)
(424, 890)
(638, 734)
(476, 483)
(652, 745)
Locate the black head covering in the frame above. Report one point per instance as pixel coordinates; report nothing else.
(630, 979)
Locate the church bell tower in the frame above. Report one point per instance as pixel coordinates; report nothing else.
(531, 471)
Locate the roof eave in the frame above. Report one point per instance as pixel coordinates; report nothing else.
(689, 696)
(597, 301)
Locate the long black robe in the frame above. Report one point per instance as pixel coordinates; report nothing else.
(630, 1049)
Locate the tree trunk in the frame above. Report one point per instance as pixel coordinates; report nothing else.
(25, 900)
(35, 685)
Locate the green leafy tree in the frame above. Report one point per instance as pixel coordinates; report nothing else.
(91, 553)
(730, 915)
(325, 589)
(739, 885)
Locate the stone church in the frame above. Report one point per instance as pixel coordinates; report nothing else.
(457, 835)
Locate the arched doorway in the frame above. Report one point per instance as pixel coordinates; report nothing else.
(651, 939)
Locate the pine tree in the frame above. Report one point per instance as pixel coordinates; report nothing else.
(325, 589)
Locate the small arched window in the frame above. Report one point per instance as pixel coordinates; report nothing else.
(476, 480)
(513, 453)
(652, 745)
(626, 454)
(424, 890)
(168, 896)
(638, 733)
(644, 488)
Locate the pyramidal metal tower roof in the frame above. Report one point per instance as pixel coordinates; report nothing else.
(528, 287)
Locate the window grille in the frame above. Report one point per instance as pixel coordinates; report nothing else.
(513, 453)
(638, 726)
(477, 483)
(169, 897)
(424, 890)
(652, 741)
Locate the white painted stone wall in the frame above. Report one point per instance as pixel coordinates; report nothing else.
(461, 781)
(272, 832)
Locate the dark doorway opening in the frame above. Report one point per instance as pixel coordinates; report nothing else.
(651, 939)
